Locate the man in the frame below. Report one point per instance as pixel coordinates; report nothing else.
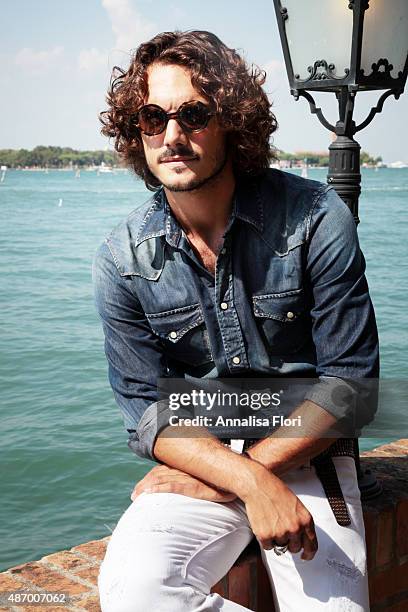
(231, 269)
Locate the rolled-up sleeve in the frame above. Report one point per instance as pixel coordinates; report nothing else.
(135, 357)
(343, 321)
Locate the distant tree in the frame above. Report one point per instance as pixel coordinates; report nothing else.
(366, 158)
(312, 158)
(55, 157)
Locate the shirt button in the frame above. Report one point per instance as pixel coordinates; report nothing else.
(223, 251)
(236, 360)
(223, 305)
(173, 334)
(290, 315)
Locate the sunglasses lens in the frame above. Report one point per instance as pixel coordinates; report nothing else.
(152, 120)
(194, 116)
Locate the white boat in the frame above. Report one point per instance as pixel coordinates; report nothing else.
(3, 170)
(398, 164)
(104, 169)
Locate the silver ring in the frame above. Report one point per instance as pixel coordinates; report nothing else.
(280, 550)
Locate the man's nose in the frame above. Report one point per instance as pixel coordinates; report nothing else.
(174, 134)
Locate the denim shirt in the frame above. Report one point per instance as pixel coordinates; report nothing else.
(289, 298)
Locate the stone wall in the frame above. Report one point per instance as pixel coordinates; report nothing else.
(386, 519)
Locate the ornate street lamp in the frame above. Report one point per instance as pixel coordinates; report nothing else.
(345, 46)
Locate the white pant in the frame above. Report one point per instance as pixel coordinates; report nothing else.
(168, 550)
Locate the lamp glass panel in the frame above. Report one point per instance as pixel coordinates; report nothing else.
(385, 34)
(319, 30)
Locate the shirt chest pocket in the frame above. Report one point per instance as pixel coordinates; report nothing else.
(183, 334)
(282, 320)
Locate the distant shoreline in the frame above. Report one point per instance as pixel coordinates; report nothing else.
(105, 169)
(122, 170)
(65, 158)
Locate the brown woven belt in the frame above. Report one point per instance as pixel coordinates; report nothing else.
(326, 472)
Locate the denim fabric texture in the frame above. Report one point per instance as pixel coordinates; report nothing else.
(289, 298)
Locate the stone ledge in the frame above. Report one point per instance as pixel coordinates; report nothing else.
(75, 571)
(72, 571)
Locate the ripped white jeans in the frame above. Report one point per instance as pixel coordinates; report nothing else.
(168, 550)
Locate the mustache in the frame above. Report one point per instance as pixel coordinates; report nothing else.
(181, 151)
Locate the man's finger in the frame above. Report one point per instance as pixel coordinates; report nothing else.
(167, 487)
(310, 545)
(295, 543)
(267, 543)
(143, 485)
(163, 478)
(154, 478)
(310, 532)
(163, 469)
(136, 492)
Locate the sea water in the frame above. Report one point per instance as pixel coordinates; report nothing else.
(66, 472)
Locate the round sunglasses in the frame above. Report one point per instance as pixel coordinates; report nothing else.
(191, 116)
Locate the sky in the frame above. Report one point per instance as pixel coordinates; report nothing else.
(57, 55)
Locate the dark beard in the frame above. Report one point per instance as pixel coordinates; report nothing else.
(198, 183)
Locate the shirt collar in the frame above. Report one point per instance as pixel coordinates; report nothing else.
(248, 203)
(159, 221)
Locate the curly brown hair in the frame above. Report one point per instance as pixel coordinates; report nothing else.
(220, 74)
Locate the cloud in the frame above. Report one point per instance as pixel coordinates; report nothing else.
(90, 60)
(129, 28)
(128, 25)
(36, 62)
(275, 75)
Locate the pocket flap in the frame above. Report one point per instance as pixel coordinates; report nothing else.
(174, 324)
(285, 307)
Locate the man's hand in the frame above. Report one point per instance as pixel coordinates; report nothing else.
(278, 517)
(163, 479)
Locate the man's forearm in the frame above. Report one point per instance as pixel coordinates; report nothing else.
(282, 452)
(196, 452)
(200, 454)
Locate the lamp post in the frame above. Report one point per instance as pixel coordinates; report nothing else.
(343, 47)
